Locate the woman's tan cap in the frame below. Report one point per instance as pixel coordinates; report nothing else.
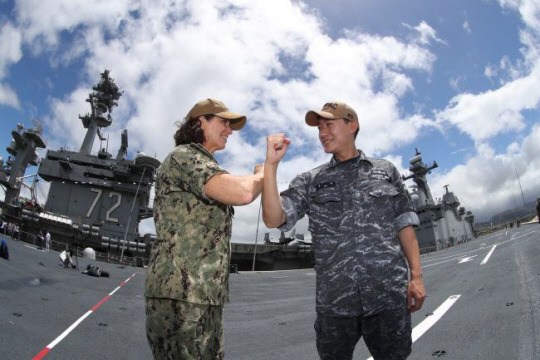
(218, 108)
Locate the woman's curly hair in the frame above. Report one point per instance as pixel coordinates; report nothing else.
(190, 131)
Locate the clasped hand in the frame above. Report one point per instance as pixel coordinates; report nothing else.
(276, 147)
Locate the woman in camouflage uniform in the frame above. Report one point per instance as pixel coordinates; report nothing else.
(187, 280)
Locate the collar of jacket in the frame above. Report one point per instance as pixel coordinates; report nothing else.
(356, 160)
(203, 150)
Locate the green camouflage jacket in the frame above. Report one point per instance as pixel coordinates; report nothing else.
(191, 256)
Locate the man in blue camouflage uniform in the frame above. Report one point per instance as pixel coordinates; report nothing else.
(361, 220)
(187, 280)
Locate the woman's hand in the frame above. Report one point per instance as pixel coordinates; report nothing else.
(259, 169)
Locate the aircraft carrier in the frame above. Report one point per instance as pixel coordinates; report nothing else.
(483, 302)
(94, 200)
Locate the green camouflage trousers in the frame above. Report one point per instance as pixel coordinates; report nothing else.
(181, 330)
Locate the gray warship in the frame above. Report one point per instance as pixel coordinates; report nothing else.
(443, 223)
(95, 200)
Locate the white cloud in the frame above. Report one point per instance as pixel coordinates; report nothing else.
(44, 21)
(529, 36)
(513, 148)
(425, 33)
(396, 83)
(64, 128)
(483, 116)
(529, 10)
(10, 47)
(10, 53)
(168, 65)
(172, 60)
(454, 83)
(490, 72)
(8, 96)
(488, 180)
(467, 26)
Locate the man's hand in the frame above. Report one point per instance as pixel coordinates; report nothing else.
(416, 294)
(276, 147)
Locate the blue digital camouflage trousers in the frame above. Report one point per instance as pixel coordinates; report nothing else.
(387, 335)
(183, 331)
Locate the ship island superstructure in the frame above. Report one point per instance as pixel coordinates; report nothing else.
(443, 223)
(23, 153)
(93, 200)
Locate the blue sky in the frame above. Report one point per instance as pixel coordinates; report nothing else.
(456, 79)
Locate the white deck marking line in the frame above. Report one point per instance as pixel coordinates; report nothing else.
(445, 261)
(488, 255)
(459, 256)
(523, 235)
(425, 325)
(425, 262)
(467, 259)
(453, 257)
(55, 342)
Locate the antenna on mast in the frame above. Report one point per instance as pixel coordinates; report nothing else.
(520, 188)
